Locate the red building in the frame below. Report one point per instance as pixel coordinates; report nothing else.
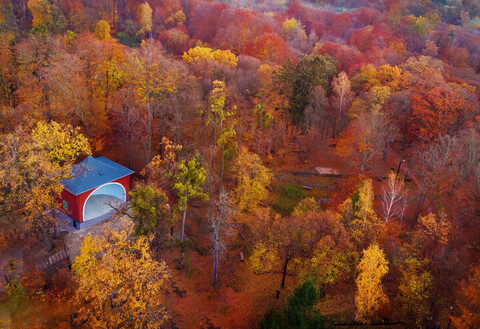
(97, 185)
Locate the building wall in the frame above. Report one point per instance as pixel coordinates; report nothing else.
(76, 202)
(72, 204)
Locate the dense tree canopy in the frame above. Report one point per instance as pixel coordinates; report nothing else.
(292, 141)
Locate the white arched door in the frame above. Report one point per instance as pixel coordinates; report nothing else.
(101, 200)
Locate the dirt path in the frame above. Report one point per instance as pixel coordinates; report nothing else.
(74, 240)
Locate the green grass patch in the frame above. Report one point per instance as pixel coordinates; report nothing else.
(288, 196)
(294, 192)
(289, 191)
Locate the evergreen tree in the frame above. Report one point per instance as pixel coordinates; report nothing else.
(300, 313)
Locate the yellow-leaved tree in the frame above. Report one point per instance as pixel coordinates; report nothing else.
(370, 295)
(120, 284)
(160, 169)
(415, 291)
(144, 16)
(102, 30)
(385, 75)
(59, 143)
(436, 227)
(222, 122)
(202, 54)
(32, 166)
(252, 180)
(188, 183)
(154, 78)
(264, 257)
(358, 211)
(306, 205)
(294, 31)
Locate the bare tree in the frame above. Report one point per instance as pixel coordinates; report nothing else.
(130, 123)
(342, 87)
(403, 206)
(154, 78)
(370, 131)
(393, 193)
(400, 105)
(183, 108)
(433, 163)
(314, 114)
(390, 133)
(220, 227)
(467, 164)
(467, 170)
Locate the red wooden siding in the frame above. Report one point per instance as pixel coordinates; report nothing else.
(76, 203)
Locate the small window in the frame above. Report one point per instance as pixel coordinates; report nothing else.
(65, 205)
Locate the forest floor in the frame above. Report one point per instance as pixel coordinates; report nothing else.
(241, 297)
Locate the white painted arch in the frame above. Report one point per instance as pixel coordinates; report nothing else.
(106, 188)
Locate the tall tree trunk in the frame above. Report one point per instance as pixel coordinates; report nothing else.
(334, 128)
(276, 145)
(182, 234)
(259, 138)
(216, 244)
(130, 162)
(418, 206)
(404, 137)
(362, 163)
(223, 152)
(121, 13)
(309, 151)
(214, 145)
(148, 142)
(215, 261)
(223, 161)
(387, 147)
(269, 147)
(285, 270)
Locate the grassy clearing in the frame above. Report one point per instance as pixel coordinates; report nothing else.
(288, 191)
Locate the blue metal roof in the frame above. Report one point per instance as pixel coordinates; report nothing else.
(93, 172)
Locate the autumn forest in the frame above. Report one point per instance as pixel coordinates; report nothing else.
(271, 164)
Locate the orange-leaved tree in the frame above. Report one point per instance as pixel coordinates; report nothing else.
(469, 302)
(366, 138)
(41, 12)
(439, 111)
